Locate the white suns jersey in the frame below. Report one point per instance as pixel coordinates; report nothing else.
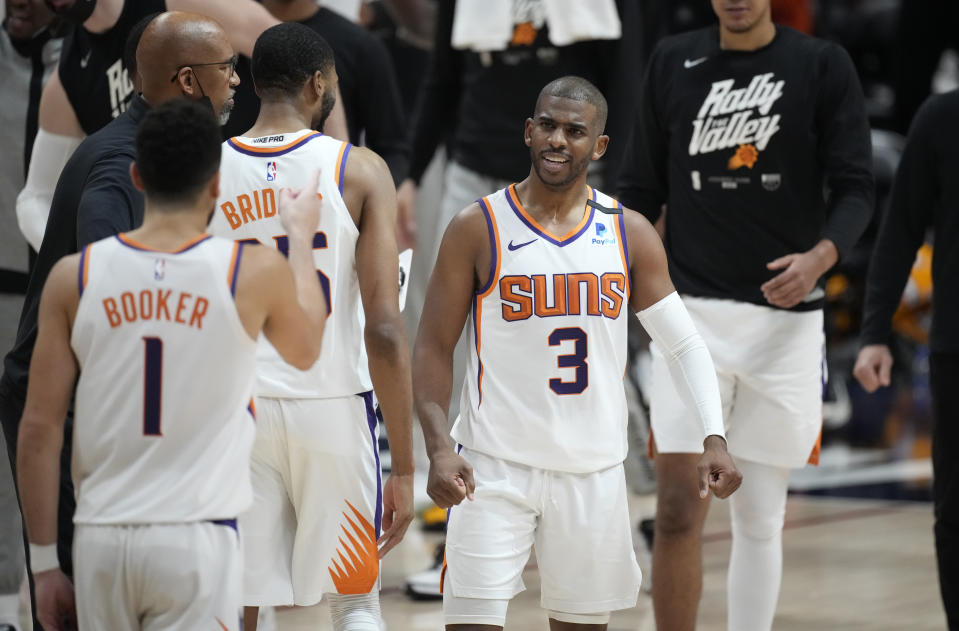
(163, 424)
(547, 332)
(253, 170)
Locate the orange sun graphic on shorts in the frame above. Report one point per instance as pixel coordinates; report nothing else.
(524, 34)
(746, 156)
(358, 563)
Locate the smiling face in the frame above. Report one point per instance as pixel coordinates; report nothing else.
(562, 139)
(741, 16)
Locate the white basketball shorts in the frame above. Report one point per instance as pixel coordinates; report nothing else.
(158, 577)
(579, 524)
(317, 501)
(770, 365)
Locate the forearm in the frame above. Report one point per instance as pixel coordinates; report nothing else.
(38, 478)
(433, 385)
(690, 364)
(826, 254)
(50, 153)
(389, 361)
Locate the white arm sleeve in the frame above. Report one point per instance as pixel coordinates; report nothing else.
(690, 364)
(50, 153)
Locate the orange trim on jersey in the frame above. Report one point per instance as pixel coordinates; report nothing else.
(339, 165)
(186, 246)
(243, 145)
(86, 267)
(511, 191)
(497, 252)
(622, 254)
(234, 268)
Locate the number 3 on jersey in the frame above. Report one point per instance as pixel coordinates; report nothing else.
(576, 360)
(319, 243)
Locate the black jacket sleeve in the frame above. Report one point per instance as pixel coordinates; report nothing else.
(845, 150)
(383, 117)
(903, 229)
(643, 183)
(109, 204)
(439, 97)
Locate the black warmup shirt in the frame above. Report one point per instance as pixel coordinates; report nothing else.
(479, 102)
(97, 83)
(925, 195)
(371, 96)
(739, 146)
(94, 199)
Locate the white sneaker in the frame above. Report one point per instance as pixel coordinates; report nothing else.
(425, 585)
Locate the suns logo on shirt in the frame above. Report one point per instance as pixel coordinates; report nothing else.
(271, 171)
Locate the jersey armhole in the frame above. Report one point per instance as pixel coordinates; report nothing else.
(234, 270)
(83, 271)
(494, 261)
(624, 246)
(340, 169)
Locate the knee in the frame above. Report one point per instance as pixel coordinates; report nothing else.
(678, 516)
(757, 521)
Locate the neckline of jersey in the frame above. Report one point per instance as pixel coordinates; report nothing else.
(136, 245)
(243, 144)
(513, 199)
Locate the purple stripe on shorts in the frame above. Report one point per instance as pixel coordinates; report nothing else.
(372, 419)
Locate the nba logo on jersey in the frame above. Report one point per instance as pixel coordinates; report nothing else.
(159, 269)
(271, 171)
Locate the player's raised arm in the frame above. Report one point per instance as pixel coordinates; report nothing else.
(459, 266)
(58, 136)
(41, 439)
(287, 295)
(384, 332)
(662, 313)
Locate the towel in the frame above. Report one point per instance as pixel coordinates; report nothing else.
(487, 25)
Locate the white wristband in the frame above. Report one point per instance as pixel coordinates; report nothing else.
(43, 558)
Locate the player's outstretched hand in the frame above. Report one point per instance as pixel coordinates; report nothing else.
(717, 471)
(397, 510)
(300, 210)
(873, 367)
(56, 606)
(450, 480)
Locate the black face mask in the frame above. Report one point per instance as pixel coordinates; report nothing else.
(203, 97)
(77, 13)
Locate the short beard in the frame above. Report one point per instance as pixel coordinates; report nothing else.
(326, 108)
(576, 169)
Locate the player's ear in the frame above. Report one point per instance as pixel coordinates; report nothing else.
(600, 147)
(528, 133)
(185, 82)
(317, 85)
(137, 178)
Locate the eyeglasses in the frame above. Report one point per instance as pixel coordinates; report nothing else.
(231, 62)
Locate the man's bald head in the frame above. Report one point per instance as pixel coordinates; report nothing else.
(176, 38)
(186, 54)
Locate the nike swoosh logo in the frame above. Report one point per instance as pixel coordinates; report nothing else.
(518, 245)
(85, 59)
(689, 63)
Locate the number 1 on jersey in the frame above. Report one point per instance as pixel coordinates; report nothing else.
(152, 385)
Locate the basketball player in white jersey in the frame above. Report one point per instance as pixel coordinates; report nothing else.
(547, 271)
(319, 503)
(160, 324)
